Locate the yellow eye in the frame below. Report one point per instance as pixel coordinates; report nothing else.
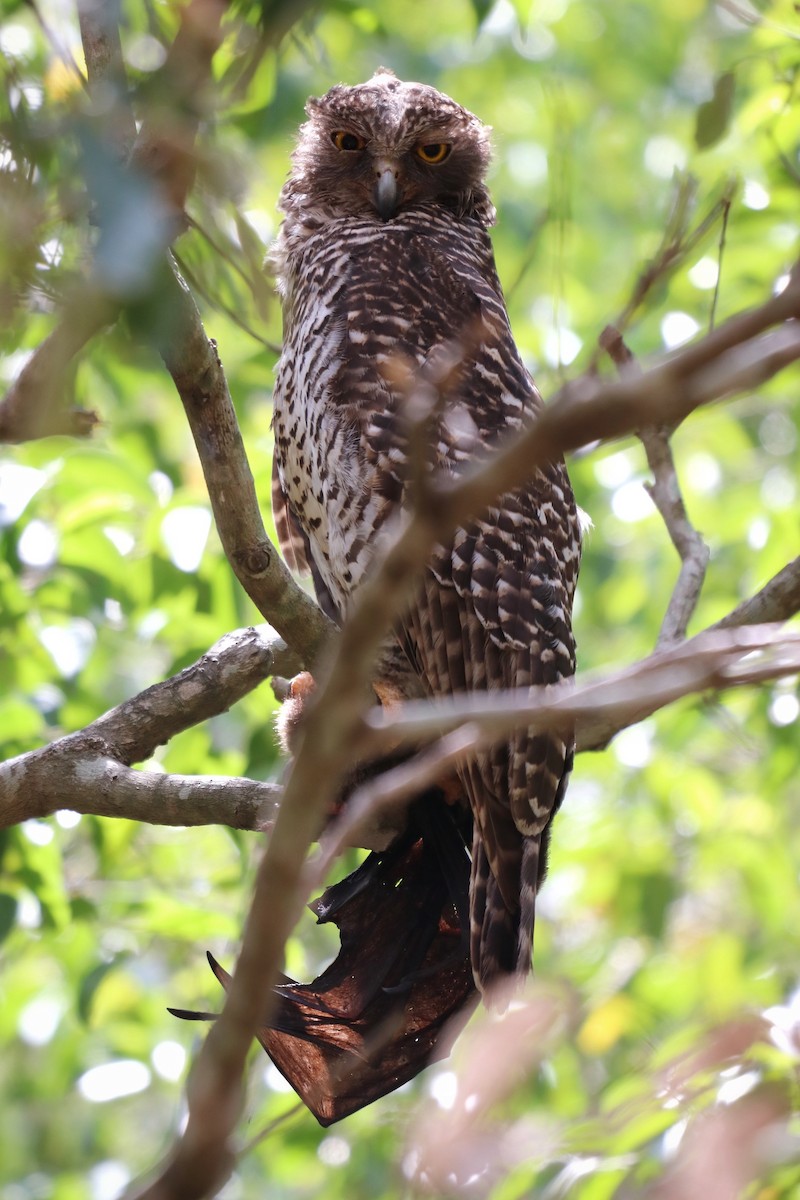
(344, 140)
(434, 152)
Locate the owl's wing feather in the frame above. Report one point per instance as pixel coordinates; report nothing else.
(295, 546)
(291, 538)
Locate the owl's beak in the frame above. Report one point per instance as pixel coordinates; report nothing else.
(384, 194)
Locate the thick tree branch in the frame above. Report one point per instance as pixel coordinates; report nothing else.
(88, 770)
(36, 786)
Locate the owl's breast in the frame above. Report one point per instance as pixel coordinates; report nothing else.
(320, 457)
(366, 305)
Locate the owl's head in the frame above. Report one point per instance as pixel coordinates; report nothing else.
(384, 147)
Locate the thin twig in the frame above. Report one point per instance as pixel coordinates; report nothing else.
(200, 289)
(271, 1128)
(723, 235)
(777, 600)
(665, 492)
(676, 244)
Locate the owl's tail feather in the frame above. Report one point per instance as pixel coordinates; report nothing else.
(529, 880)
(501, 941)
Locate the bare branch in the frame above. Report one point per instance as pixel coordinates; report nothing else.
(599, 708)
(32, 407)
(665, 492)
(88, 771)
(778, 600)
(102, 52)
(37, 785)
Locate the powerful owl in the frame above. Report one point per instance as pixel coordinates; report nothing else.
(385, 267)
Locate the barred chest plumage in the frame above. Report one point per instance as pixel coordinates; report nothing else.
(317, 456)
(359, 298)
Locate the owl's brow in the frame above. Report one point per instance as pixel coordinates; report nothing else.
(379, 111)
(405, 129)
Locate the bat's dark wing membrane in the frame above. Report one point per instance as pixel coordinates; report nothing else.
(373, 1019)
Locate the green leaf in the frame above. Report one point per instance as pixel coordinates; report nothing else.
(714, 116)
(8, 914)
(481, 8)
(91, 982)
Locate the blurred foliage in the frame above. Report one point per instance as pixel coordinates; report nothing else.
(672, 903)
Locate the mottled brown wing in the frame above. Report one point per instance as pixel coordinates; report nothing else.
(295, 548)
(493, 613)
(291, 539)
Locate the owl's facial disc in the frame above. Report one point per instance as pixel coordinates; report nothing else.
(385, 147)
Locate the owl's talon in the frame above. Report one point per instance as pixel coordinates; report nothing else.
(289, 720)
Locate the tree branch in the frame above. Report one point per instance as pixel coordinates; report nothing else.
(665, 492)
(36, 786)
(778, 600)
(32, 407)
(599, 708)
(88, 771)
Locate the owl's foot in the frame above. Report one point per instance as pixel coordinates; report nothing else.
(290, 716)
